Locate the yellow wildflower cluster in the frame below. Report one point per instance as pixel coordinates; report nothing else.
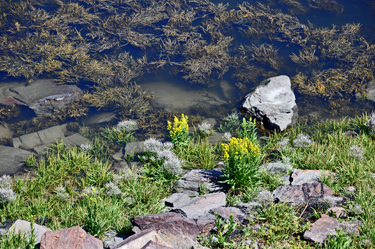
(240, 147)
(179, 129)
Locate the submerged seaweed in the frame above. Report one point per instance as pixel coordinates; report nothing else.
(109, 44)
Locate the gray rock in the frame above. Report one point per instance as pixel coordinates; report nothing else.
(321, 229)
(16, 142)
(300, 176)
(31, 140)
(193, 182)
(179, 241)
(273, 104)
(40, 149)
(225, 213)
(44, 96)
(12, 159)
(215, 138)
(177, 200)
(133, 148)
(5, 131)
(351, 227)
(139, 240)
(50, 135)
(369, 88)
(103, 117)
(285, 180)
(249, 208)
(112, 242)
(118, 155)
(201, 205)
(339, 212)
(23, 226)
(76, 140)
(301, 194)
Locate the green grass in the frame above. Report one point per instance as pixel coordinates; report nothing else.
(75, 170)
(281, 225)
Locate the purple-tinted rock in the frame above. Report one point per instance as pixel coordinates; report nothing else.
(226, 212)
(300, 194)
(173, 223)
(70, 238)
(153, 245)
(321, 229)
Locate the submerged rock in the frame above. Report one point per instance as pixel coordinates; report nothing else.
(43, 96)
(273, 104)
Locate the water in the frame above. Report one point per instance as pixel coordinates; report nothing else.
(209, 79)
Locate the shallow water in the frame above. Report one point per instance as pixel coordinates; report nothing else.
(175, 94)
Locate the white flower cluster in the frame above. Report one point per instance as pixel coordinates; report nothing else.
(90, 191)
(205, 129)
(162, 152)
(284, 144)
(265, 198)
(126, 126)
(86, 147)
(302, 141)
(6, 192)
(356, 152)
(371, 124)
(112, 189)
(226, 137)
(61, 193)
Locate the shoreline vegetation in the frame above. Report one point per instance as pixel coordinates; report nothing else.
(76, 186)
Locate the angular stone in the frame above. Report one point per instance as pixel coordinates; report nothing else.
(31, 140)
(199, 206)
(193, 182)
(307, 176)
(273, 104)
(321, 229)
(285, 180)
(16, 142)
(351, 227)
(179, 241)
(100, 118)
(152, 245)
(140, 239)
(225, 213)
(23, 226)
(12, 159)
(50, 135)
(249, 208)
(76, 140)
(70, 238)
(176, 200)
(300, 194)
(118, 155)
(40, 149)
(339, 212)
(173, 223)
(112, 242)
(133, 148)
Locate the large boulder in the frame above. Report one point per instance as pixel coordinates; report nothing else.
(43, 96)
(273, 104)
